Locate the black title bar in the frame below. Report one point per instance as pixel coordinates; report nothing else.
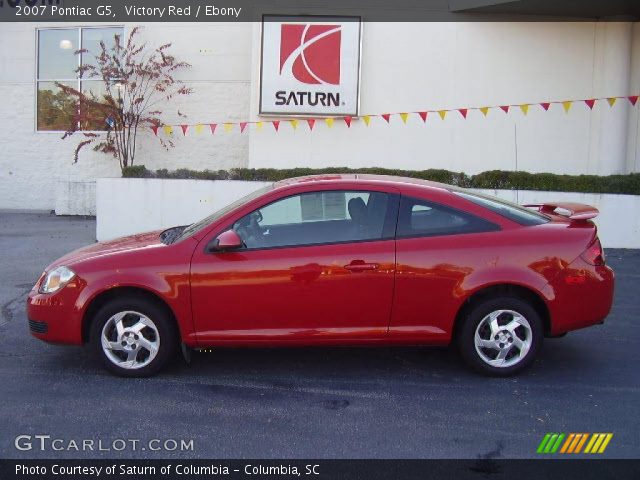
(87, 11)
(484, 468)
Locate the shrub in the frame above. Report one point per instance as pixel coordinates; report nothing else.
(494, 179)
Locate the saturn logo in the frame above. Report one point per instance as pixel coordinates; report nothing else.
(311, 53)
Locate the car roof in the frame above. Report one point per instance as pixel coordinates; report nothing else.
(340, 178)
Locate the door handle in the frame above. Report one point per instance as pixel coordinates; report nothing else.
(360, 266)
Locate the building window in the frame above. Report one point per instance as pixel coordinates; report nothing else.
(58, 63)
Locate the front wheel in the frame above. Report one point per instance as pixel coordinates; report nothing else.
(501, 336)
(133, 337)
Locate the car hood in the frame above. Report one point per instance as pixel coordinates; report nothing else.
(111, 247)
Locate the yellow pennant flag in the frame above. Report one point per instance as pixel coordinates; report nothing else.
(168, 129)
(566, 106)
(404, 117)
(228, 127)
(199, 128)
(442, 113)
(294, 123)
(612, 101)
(484, 110)
(524, 108)
(329, 122)
(366, 119)
(259, 125)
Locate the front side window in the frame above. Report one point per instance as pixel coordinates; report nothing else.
(317, 218)
(420, 218)
(58, 63)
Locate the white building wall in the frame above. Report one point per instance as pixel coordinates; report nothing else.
(404, 67)
(420, 66)
(34, 164)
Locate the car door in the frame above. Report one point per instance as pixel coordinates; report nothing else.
(316, 267)
(437, 248)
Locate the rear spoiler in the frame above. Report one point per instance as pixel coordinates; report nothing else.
(576, 211)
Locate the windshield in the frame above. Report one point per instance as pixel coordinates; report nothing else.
(512, 211)
(196, 227)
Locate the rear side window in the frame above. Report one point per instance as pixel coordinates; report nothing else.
(420, 218)
(509, 210)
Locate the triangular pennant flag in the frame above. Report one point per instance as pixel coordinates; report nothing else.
(228, 127)
(184, 129)
(404, 117)
(154, 129)
(545, 105)
(525, 108)
(259, 125)
(276, 124)
(386, 116)
(213, 127)
(590, 103)
(329, 122)
(243, 125)
(484, 110)
(423, 116)
(442, 113)
(347, 120)
(612, 101)
(366, 119)
(463, 112)
(199, 128)
(567, 106)
(168, 129)
(311, 122)
(505, 108)
(633, 99)
(294, 123)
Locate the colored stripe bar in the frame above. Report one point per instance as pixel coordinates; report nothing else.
(555, 447)
(550, 443)
(592, 440)
(605, 443)
(543, 443)
(583, 439)
(565, 447)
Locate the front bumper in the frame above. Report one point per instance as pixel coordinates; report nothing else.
(54, 317)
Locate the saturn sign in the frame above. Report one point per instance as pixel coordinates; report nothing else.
(310, 65)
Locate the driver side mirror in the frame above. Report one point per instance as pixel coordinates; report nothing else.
(228, 240)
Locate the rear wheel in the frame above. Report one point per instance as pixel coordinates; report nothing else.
(500, 336)
(133, 337)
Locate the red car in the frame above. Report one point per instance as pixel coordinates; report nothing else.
(335, 260)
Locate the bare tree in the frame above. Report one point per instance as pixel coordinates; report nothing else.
(138, 82)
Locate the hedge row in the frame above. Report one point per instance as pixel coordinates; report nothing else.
(494, 179)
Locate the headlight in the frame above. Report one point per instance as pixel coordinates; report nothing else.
(56, 279)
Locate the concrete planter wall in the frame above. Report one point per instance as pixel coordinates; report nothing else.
(132, 205)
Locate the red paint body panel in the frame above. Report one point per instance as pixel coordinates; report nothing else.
(394, 291)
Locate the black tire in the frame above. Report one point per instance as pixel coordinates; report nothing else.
(473, 318)
(164, 325)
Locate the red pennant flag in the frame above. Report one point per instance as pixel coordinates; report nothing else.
(243, 125)
(590, 103)
(154, 129)
(386, 116)
(347, 120)
(504, 108)
(545, 106)
(184, 129)
(633, 99)
(276, 124)
(423, 116)
(463, 112)
(311, 123)
(213, 126)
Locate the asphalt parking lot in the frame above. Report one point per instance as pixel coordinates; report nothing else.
(310, 403)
